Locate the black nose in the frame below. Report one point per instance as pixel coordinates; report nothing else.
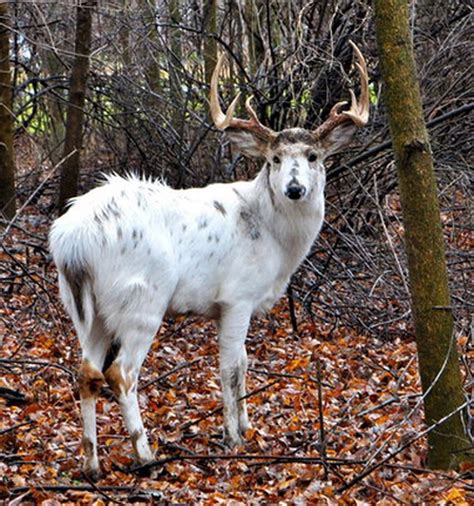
(295, 191)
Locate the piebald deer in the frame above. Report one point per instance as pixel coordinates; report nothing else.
(132, 250)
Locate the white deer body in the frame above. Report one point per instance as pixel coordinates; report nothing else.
(131, 251)
(191, 251)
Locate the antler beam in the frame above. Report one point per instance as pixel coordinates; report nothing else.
(359, 110)
(222, 120)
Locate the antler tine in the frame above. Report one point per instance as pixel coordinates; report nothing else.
(221, 120)
(359, 110)
(227, 120)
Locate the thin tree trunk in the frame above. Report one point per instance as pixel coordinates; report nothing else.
(57, 127)
(177, 115)
(175, 60)
(256, 50)
(210, 44)
(7, 162)
(75, 113)
(152, 63)
(125, 64)
(431, 307)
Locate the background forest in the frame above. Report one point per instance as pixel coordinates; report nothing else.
(333, 375)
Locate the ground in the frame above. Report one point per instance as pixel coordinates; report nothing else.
(336, 413)
(368, 389)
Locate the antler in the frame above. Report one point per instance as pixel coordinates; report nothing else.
(227, 120)
(359, 110)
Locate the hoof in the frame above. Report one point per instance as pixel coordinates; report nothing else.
(93, 474)
(145, 471)
(244, 427)
(232, 441)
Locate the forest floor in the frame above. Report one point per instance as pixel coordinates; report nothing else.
(336, 415)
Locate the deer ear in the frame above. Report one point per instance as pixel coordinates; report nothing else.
(338, 138)
(247, 143)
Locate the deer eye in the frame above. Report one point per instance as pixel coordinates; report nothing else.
(312, 157)
(276, 160)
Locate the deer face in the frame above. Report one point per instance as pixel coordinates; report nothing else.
(295, 156)
(295, 164)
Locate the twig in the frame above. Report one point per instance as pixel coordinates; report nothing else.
(183, 365)
(39, 363)
(322, 434)
(289, 375)
(87, 488)
(14, 427)
(387, 144)
(277, 458)
(395, 452)
(219, 408)
(291, 307)
(100, 491)
(32, 196)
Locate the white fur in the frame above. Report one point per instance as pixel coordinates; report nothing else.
(226, 250)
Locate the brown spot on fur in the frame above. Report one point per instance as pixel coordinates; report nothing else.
(250, 224)
(76, 277)
(202, 223)
(90, 380)
(88, 447)
(134, 437)
(112, 353)
(220, 207)
(115, 378)
(234, 381)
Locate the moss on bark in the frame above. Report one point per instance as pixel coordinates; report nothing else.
(432, 313)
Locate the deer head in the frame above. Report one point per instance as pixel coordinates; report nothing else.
(295, 156)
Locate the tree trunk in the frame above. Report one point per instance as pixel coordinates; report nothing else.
(210, 44)
(57, 127)
(75, 114)
(256, 49)
(176, 94)
(152, 63)
(7, 163)
(432, 313)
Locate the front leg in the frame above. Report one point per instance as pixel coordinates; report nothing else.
(233, 366)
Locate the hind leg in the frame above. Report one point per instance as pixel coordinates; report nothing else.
(122, 376)
(90, 381)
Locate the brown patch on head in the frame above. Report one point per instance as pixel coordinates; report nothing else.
(293, 136)
(90, 380)
(115, 377)
(76, 278)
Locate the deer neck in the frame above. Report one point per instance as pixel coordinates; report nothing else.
(293, 225)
